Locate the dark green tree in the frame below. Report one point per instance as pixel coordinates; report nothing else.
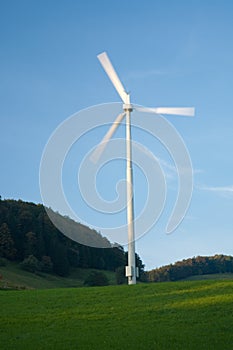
(30, 244)
(46, 264)
(73, 257)
(31, 264)
(120, 275)
(7, 247)
(96, 278)
(59, 258)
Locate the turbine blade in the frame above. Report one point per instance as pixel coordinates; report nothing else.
(101, 147)
(108, 67)
(186, 111)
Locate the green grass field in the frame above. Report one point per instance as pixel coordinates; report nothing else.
(213, 276)
(16, 278)
(175, 315)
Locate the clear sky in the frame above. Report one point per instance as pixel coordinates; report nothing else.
(167, 53)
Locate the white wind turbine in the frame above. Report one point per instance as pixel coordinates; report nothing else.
(131, 270)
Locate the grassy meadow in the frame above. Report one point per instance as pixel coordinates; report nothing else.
(13, 277)
(172, 315)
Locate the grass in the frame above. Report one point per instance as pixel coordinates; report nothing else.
(16, 278)
(215, 276)
(177, 315)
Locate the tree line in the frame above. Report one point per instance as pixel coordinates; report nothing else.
(28, 236)
(200, 265)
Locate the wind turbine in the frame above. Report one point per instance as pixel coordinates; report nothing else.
(131, 270)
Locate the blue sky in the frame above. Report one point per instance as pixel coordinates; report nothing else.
(167, 53)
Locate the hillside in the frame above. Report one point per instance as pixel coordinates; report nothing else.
(13, 277)
(196, 268)
(178, 315)
(28, 237)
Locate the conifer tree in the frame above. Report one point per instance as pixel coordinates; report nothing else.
(7, 249)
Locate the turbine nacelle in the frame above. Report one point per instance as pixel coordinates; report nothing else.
(127, 107)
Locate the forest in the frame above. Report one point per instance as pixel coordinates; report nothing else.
(28, 236)
(200, 265)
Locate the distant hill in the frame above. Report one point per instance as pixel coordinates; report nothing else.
(197, 266)
(28, 237)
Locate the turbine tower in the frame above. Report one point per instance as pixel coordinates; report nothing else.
(130, 270)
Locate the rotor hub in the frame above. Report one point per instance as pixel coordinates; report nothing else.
(127, 107)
